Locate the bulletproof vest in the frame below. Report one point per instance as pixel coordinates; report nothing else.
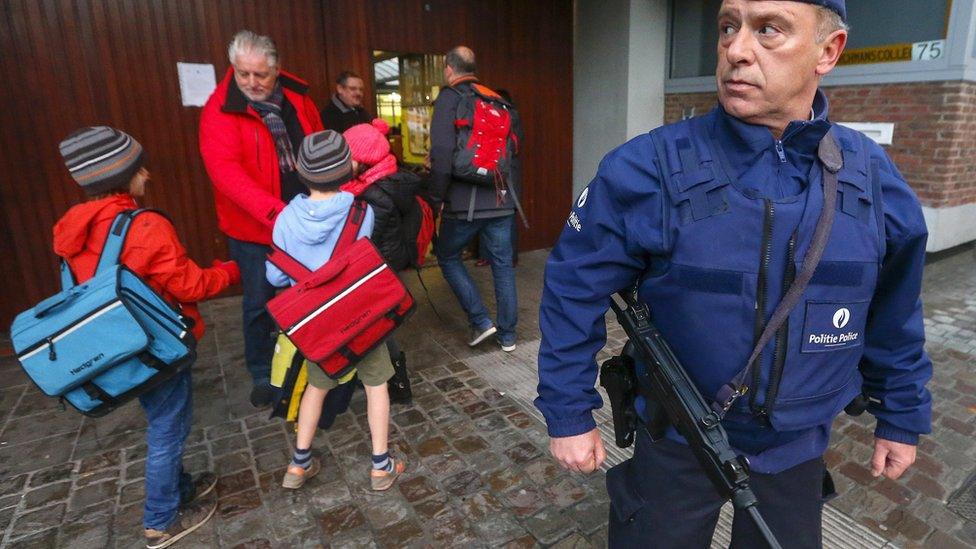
(712, 295)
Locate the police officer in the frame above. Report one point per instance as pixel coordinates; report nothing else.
(712, 217)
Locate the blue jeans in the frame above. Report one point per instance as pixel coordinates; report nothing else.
(169, 411)
(483, 248)
(496, 233)
(259, 329)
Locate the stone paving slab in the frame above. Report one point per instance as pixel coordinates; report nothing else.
(479, 472)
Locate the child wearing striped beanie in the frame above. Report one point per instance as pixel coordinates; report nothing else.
(108, 164)
(307, 229)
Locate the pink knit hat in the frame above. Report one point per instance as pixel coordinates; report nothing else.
(368, 142)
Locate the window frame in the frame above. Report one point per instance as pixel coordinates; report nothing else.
(958, 63)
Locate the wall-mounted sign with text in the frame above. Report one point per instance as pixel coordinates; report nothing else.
(919, 51)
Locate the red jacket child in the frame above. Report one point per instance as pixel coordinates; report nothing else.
(152, 250)
(107, 164)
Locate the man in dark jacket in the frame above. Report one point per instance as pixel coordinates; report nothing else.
(470, 210)
(712, 217)
(250, 129)
(345, 109)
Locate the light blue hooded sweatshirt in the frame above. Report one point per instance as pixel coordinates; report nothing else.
(309, 229)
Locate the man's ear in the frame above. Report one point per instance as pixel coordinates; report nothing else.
(833, 47)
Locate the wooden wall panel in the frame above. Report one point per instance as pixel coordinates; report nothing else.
(70, 63)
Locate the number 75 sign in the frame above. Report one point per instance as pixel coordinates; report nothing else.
(928, 51)
(919, 51)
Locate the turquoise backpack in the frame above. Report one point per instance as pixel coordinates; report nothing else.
(102, 343)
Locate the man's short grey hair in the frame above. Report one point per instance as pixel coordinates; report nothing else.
(246, 41)
(461, 60)
(829, 22)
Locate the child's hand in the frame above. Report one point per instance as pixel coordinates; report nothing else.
(231, 268)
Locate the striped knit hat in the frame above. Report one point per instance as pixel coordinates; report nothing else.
(325, 159)
(101, 159)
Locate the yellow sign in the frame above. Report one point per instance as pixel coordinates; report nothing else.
(878, 54)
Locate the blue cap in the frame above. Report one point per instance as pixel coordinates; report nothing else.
(837, 5)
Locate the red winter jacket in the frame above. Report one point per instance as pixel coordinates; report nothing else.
(239, 154)
(152, 250)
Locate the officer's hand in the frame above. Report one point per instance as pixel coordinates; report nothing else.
(582, 453)
(891, 459)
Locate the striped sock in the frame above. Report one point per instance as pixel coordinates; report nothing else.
(383, 462)
(302, 458)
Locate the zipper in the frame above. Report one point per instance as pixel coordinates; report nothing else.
(782, 336)
(780, 152)
(157, 316)
(765, 256)
(63, 332)
(257, 149)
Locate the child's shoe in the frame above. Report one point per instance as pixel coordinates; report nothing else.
(296, 475)
(381, 479)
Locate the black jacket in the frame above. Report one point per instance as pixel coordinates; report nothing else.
(397, 217)
(339, 117)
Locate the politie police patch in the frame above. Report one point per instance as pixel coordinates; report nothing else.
(832, 326)
(574, 219)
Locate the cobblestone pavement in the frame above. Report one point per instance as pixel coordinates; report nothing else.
(913, 510)
(478, 471)
(478, 467)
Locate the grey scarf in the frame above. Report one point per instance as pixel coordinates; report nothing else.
(270, 111)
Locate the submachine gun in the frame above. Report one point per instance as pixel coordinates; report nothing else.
(671, 390)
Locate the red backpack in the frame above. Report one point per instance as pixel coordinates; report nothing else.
(343, 310)
(486, 141)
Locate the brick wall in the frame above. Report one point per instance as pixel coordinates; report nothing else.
(935, 131)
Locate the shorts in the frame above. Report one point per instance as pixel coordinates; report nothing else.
(374, 369)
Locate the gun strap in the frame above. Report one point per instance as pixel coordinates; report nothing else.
(832, 160)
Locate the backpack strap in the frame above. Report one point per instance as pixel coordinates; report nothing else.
(67, 278)
(350, 231)
(115, 240)
(288, 264)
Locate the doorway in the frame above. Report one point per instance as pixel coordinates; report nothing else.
(406, 85)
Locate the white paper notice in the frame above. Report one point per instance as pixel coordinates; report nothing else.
(197, 82)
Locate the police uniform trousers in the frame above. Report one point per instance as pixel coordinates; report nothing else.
(661, 498)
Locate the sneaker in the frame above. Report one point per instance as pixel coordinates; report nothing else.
(477, 336)
(262, 395)
(296, 476)
(188, 519)
(381, 479)
(508, 348)
(203, 484)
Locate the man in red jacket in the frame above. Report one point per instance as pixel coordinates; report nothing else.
(250, 130)
(108, 165)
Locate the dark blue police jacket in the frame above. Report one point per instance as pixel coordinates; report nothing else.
(715, 216)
